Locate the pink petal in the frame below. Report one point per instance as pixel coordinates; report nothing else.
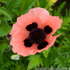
(20, 49)
(51, 42)
(40, 14)
(55, 23)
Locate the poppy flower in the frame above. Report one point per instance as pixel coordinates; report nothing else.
(33, 32)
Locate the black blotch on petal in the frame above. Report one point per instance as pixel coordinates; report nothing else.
(31, 26)
(34, 24)
(27, 43)
(42, 45)
(48, 29)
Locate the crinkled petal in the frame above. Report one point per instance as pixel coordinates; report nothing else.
(17, 42)
(38, 15)
(55, 23)
(51, 42)
(20, 49)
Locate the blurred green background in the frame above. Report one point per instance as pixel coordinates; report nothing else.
(58, 56)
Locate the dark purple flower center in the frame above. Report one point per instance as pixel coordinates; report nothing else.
(37, 35)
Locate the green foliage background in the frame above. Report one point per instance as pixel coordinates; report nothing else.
(58, 56)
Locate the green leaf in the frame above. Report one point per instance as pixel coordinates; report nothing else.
(67, 12)
(3, 47)
(46, 52)
(31, 3)
(5, 28)
(58, 11)
(65, 49)
(12, 4)
(51, 57)
(19, 66)
(66, 21)
(34, 62)
(3, 11)
(42, 3)
(61, 61)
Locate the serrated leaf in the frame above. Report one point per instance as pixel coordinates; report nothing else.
(30, 6)
(51, 57)
(5, 13)
(5, 28)
(46, 52)
(42, 3)
(65, 49)
(60, 7)
(12, 4)
(66, 21)
(19, 66)
(3, 47)
(34, 61)
(26, 5)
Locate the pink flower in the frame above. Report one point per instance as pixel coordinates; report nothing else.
(33, 32)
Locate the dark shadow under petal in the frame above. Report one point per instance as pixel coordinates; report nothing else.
(8, 37)
(2, 4)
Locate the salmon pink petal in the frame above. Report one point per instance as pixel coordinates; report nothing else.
(50, 43)
(28, 51)
(18, 46)
(54, 23)
(20, 49)
(25, 20)
(40, 14)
